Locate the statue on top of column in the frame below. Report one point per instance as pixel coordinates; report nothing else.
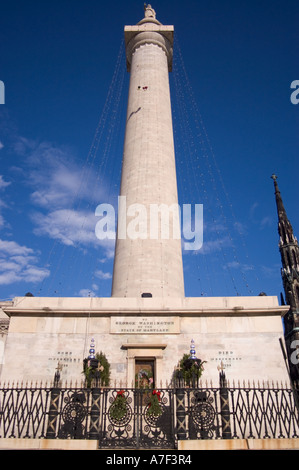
(149, 12)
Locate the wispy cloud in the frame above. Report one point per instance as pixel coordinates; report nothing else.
(19, 263)
(271, 272)
(214, 246)
(267, 221)
(65, 192)
(86, 293)
(57, 179)
(237, 265)
(258, 217)
(3, 204)
(3, 184)
(102, 275)
(68, 226)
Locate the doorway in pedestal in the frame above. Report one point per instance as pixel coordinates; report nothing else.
(145, 373)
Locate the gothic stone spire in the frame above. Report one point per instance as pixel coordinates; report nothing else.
(289, 251)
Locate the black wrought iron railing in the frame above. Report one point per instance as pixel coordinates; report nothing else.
(120, 418)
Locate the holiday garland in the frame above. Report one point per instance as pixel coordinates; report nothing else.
(189, 369)
(118, 408)
(154, 407)
(92, 372)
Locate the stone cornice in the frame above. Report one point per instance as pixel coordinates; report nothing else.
(106, 306)
(280, 311)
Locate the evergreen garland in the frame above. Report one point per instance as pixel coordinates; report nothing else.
(105, 374)
(189, 369)
(91, 372)
(154, 408)
(118, 408)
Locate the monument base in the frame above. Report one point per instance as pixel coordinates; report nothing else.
(240, 334)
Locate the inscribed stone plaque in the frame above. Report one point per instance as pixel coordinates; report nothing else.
(145, 325)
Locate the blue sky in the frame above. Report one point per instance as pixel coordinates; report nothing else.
(62, 126)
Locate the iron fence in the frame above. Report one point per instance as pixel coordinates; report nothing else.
(120, 418)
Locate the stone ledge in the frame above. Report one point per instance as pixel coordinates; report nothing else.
(239, 444)
(143, 346)
(273, 444)
(193, 307)
(213, 444)
(48, 444)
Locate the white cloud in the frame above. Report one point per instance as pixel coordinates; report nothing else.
(253, 209)
(86, 293)
(19, 263)
(2, 221)
(237, 265)
(109, 246)
(213, 246)
(58, 181)
(69, 226)
(267, 221)
(22, 145)
(3, 184)
(12, 248)
(72, 228)
(102, 275)
(240, 228)
(67, 193)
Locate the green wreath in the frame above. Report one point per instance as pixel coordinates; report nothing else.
(144, 375)
(189, 369)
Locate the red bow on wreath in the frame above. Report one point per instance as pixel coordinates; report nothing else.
(120, 393)
(155, 392)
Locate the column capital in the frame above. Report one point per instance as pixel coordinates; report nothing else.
(149, 32)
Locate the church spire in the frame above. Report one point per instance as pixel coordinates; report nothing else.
(289, 252)
(280, 207)
(288, 244)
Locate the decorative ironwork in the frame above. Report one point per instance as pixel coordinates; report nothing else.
(73, 414)
(201, 413)
(135, 426)
(121, 420)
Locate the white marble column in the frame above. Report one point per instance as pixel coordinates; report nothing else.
(148, 257)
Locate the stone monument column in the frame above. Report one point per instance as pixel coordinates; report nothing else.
(148, 255)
